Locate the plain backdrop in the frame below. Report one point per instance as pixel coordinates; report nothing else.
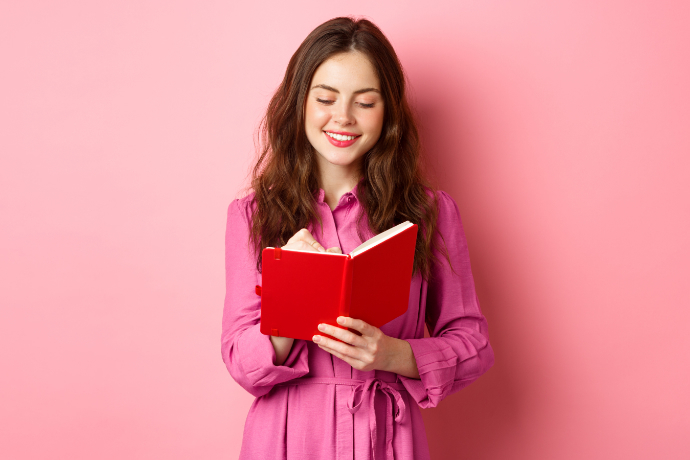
(560, 128)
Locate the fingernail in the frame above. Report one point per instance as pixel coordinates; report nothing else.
(316, 338)
(322, 327)
(340, 320)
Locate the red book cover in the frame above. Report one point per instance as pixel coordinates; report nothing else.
(301, 289)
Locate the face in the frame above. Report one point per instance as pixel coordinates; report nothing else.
(344, 111)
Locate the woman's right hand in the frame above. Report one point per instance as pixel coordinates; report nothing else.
(304, 241)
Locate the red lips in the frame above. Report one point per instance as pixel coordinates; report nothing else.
(343, 133)
(342, 144)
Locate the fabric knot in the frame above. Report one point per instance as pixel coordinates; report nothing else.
(371, 385)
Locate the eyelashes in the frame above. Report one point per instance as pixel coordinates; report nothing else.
(328, 102)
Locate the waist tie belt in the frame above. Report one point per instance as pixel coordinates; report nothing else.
(390, 389)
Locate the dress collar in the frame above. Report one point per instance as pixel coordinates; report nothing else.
(352, 193)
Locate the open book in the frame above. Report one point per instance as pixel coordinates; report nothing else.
(301, 289)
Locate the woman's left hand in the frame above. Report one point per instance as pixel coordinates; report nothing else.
(372, 350)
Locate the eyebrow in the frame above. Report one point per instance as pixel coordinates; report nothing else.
(359, 91)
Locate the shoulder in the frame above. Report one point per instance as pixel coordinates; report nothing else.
(446, 204)
(446, 201)
(448, 211)
(241, 209)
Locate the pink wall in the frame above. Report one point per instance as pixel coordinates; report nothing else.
(561, 129)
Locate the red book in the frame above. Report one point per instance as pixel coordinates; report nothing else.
(302, 289)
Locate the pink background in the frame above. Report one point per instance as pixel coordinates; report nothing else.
(560, 128)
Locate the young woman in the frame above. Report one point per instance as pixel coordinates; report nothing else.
(339, 164)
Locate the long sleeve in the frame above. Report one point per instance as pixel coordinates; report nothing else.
(247, 353)
(458, 350)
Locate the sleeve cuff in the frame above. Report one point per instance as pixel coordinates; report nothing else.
(436, 362)
(257, 356)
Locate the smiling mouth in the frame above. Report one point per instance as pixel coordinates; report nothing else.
(341, 137)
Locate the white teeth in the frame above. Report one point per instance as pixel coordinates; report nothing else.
(340, 137)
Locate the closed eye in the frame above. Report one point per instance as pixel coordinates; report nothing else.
(329, 102)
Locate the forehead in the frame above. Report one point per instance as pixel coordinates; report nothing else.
(347, 72)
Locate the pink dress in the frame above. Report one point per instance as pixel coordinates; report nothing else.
(316, 406)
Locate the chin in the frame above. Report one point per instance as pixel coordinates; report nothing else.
(338, 159)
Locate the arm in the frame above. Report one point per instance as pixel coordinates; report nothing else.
(458, 351)
(370, 350)
(282, 347)
(254, 360)
(403, 363)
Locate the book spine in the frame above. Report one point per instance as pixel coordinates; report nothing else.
(346, 288)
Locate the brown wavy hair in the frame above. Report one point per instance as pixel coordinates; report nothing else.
(284, 178)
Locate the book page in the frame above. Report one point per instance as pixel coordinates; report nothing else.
(371, 242)
(310, 252)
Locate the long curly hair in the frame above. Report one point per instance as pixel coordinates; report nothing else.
(393, 188)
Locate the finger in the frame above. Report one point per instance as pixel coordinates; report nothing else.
(304, 246)
(307, 237)
(335, 250)
(304, 241)
(356, 324)
(299, 246)
(342, 348)
(343, 334)
(295, 237)
(354, 362)
(299, 236)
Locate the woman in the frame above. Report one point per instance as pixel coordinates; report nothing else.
(339, 164)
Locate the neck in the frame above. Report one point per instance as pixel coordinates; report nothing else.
(337, 181)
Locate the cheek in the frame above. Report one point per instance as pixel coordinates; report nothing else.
(373, 121)
(316, 116)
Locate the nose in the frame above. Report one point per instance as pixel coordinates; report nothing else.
(343, 114)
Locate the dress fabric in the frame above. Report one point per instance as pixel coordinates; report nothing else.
(315, 405)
